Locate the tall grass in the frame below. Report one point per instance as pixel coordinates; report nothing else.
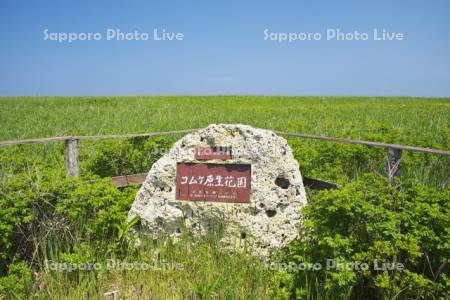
(417, 121)
(191, 268)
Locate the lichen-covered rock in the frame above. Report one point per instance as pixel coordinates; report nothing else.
(270, 220)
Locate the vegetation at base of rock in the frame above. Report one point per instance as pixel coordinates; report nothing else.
(379, 227)
(46, 218)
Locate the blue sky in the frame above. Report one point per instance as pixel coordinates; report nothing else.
(223, 50)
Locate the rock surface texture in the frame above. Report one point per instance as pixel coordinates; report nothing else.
(270, 220)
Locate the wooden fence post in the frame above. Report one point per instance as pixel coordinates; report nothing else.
(394, 156)
(72, 163)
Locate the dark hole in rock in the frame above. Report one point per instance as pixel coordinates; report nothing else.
(243, 235)
(261, 205)
(271, 212)
(297, 192)
(282, 182)
(202, 139)
(178, 230)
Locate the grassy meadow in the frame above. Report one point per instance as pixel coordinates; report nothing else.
(421, 122)
(46, 217)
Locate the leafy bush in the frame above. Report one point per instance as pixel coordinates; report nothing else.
(337, 162)
(371, 222)
(124, 157)
(44, 217)
(18, 283)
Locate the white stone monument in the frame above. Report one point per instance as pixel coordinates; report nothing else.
(245, 178)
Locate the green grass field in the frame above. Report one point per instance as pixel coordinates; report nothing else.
(416, 121)
(44, 216)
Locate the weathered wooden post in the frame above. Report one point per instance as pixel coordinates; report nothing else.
(394, 156)
(72, 163)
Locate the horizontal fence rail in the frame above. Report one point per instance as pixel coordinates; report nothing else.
(367, 143)
(91, 137)
(394, 151)
(285, 133)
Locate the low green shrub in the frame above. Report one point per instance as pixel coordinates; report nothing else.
(44, 217)
(370, 222)
(124, 157)
(18, 283)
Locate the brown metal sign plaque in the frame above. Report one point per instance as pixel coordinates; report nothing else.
(213, 182)
(218, 152)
